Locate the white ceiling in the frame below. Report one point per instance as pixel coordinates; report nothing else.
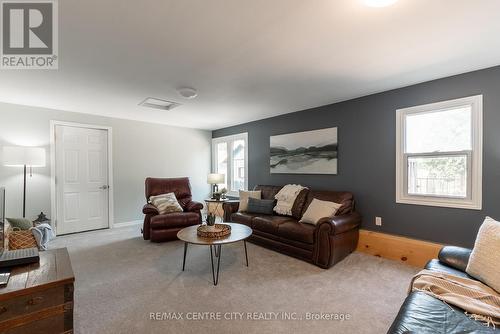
(250, 59)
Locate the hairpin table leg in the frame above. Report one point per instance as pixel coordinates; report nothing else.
(184, 259)
(246, 253)
(215, 275)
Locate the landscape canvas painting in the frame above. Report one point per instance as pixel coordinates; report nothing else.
(309, 152)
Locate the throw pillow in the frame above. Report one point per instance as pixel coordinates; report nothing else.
(263, 206)
(244, 196)
(21, 223)
(319, 209)
(484, 261)
(166, 203)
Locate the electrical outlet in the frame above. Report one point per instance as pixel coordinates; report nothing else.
(378, 221)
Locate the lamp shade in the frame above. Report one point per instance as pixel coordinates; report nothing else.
(22, 155)
(216, 178)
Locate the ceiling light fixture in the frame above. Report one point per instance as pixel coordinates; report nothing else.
(187, 92)
(379, 3)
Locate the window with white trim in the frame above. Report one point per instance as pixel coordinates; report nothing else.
(439, 154)
(230, 157)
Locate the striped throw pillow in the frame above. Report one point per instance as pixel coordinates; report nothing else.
(166, 203)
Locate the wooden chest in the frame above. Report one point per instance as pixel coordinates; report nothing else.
(39, 297)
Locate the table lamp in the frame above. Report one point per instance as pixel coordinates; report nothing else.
(22, 156)
(215, 180)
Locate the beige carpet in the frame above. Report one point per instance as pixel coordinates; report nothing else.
(121, 279)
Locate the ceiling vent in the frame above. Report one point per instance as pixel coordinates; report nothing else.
(155, 103)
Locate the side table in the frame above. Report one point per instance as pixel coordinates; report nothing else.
(218, 204)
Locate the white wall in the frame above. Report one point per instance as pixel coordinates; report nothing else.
(139, 150)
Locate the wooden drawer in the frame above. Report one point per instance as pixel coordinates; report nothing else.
(31, 303)
(45, 311)
(50, 325)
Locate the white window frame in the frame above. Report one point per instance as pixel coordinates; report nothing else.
(229, 140)
(473, 199)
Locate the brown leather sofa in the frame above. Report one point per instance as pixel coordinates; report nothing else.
(324, 244)
(158, 228)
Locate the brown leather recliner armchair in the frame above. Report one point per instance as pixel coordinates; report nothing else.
(158, 228)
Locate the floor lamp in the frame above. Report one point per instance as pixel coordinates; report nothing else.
(26, 157)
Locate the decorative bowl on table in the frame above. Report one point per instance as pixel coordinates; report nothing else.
(216, 231)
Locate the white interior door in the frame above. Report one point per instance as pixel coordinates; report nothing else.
(82, 187)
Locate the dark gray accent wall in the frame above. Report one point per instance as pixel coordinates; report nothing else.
(367, 146)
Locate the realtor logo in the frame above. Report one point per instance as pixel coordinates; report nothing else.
(29, 34)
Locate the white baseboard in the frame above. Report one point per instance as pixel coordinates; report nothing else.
(130, 223)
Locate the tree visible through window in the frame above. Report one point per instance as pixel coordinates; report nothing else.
(438, 176)
(439, 154)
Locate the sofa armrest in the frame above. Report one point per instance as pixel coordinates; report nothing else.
(150, 209)
(230, 208)
(456, 257)
(193, 206)
(342, 223)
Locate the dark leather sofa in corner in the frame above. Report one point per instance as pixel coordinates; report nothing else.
(422, 313)
(324, 244)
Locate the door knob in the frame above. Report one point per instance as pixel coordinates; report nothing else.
(104, 187)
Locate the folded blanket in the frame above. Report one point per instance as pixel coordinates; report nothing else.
(479, 301)
(286, 197)
(43, 233)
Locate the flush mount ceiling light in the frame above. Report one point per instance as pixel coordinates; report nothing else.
(155, 103)
(379, 3)
(187, 92)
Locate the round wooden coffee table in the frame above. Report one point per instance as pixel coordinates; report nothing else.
(239, 232)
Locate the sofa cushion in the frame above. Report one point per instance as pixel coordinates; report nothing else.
(269, 236)
(176, 219)
(244, 218)
(268, 192)
(298, 205)
(297, 231)
(269, 224)
(436, 265)
(455, 257)
(283, 241)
